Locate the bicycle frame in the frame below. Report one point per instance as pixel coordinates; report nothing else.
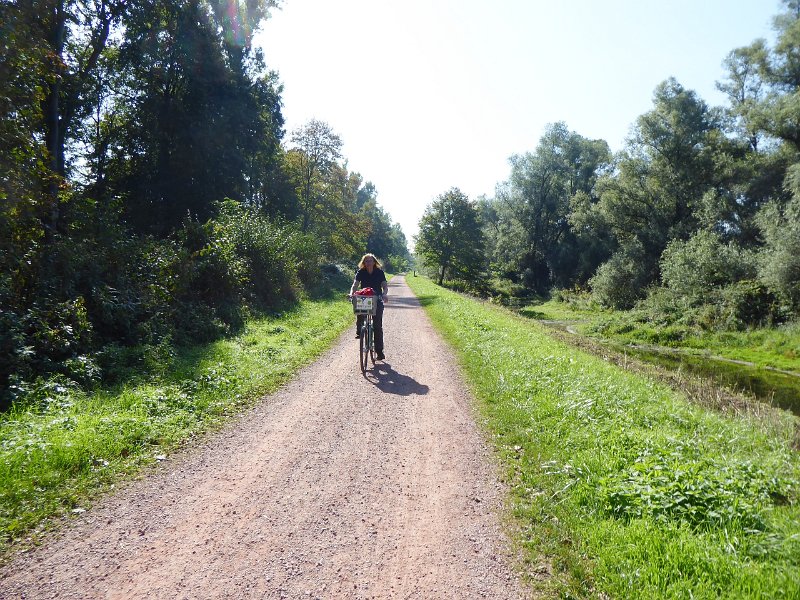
(367, 343)
(367, 340)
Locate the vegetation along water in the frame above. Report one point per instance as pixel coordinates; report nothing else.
(618, 484)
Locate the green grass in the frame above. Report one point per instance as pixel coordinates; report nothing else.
(553, 310)
(620, 487)
(64, 446)
(777, 347)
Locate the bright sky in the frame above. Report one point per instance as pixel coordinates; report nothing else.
(432, 94)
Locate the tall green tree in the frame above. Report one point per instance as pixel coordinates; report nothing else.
(779, 259)
(385, 238)
(534, 241)
(659, 181)
(316, 148)
(199, 119)
(745, 89)
(75, 33)
(754, 165)
(24, 79)
(782, 72)
(450, 238)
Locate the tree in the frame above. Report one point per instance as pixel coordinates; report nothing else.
(703, 264)
(654, 193)
(385, 238)
(533, 239)
(75, 33)
(779, 259)
(745, 88)
(782, 105)
(24, 79)
(620, 281)
(315, 152)
(193, 118)
(450, 238)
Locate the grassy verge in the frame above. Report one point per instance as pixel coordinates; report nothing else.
(619, 486)
(777, 347)
(57, 453)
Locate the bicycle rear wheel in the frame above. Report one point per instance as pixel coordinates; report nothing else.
(366, 331)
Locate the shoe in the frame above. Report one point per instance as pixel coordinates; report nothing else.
(358, 335)
(380, 356)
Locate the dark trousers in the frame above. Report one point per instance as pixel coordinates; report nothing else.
(377, 326)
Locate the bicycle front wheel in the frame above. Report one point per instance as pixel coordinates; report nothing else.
(372, 344)
(364, 344)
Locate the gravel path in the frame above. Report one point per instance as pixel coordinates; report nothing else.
(338, 486)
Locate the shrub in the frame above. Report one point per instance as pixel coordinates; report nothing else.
(779, 260)
(662, 306)
(103, 286)
(623, 279)
(576, 297)
(749, 303)
(12, 338)
(703, 263)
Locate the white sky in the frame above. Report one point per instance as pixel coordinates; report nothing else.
(429, 95)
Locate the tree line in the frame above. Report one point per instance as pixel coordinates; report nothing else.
(149, 193)
(697, 219)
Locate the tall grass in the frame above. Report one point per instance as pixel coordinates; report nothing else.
(619, 486)
(63, 446)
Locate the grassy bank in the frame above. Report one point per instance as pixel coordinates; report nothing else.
(62, 447)
(619, 486)
(776, 347)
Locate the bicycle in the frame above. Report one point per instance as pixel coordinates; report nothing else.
(366, 306)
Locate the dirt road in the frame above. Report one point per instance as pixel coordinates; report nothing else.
(338, 486)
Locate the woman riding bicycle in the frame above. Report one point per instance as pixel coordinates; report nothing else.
(370, 275)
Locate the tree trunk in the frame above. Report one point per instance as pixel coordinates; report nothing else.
(54, 136)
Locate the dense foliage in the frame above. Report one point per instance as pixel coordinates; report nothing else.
(450, 237)
(147, 196)
(697, 217)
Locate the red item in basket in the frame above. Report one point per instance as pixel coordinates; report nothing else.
(365, 292)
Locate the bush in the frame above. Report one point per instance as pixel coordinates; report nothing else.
(240, 259)
(275, 259)
(118, 363)
(577, 298)
(12, 338)
(703, 263)
(746, 303)
(466, 287)
(623, 279)
(104, 287)
(749, 303)
(57, 330)
(779, 260)
(662, 306)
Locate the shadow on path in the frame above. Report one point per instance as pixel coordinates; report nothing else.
(402, 302)
(386, 379)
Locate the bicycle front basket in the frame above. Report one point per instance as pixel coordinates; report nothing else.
(365, 305)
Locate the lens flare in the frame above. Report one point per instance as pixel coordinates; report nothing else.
(237, 27)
